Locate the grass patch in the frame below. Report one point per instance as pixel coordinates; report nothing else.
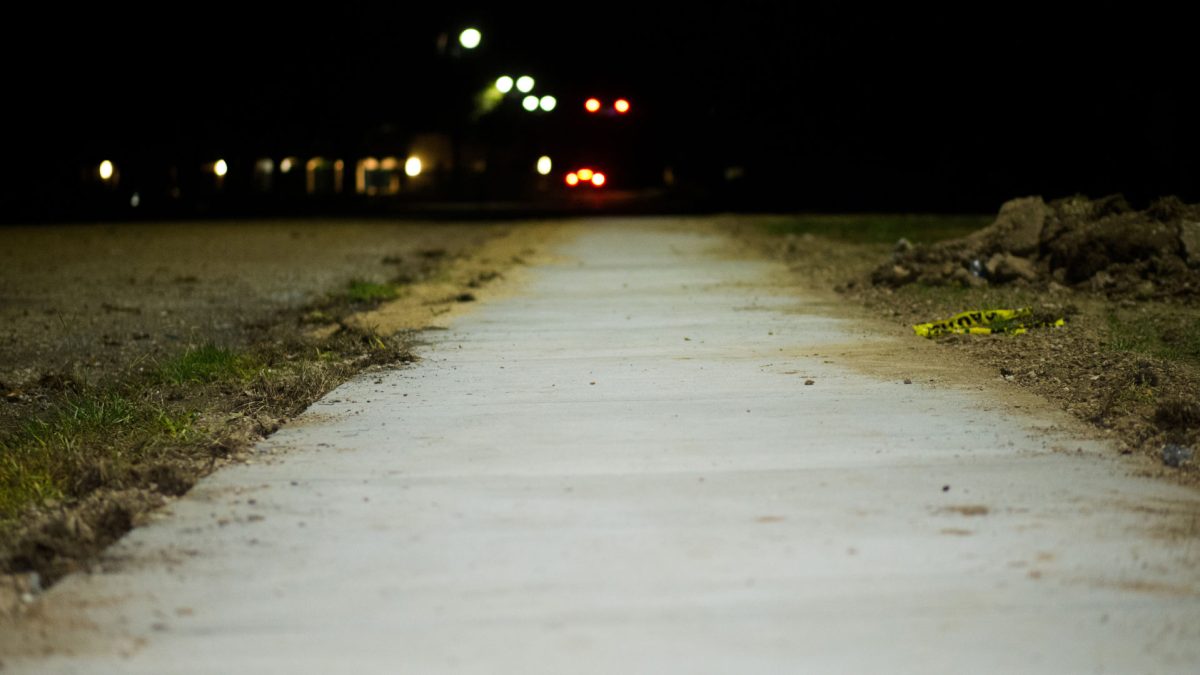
(1170, 333)
(92, 437)
(366, 291)
(879, 228)
(147, 432)
(207, 363)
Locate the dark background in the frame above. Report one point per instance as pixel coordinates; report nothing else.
(824, 106)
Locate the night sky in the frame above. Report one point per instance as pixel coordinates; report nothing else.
(824, 105)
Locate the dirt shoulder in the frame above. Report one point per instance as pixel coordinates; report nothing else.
(1124, 364)
(138, 358)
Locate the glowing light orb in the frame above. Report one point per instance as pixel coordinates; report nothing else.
(584, 174)
(470, 38)
(592, 105)
(621, 106)
(598, 179)
(220, 167)
(106, 170)
(412, 166)
(544, 165)
(525, 84)
(530, 103)
(548, 103)
(572, 179)
(504, 84)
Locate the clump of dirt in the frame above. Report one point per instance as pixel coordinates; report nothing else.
(1100, 245)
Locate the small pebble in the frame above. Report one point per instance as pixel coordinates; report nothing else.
(808, 382)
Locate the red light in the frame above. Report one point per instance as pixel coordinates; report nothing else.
(621, 105)
(598, 179)
(572, 180)
(592, 105)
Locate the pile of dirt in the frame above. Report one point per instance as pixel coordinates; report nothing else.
(1100, 245)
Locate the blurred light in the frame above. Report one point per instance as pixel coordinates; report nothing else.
(470, 38)
(544, 165)
(524, 84)
(592, 104)
(504, 84)
(285, 164)
(389, 164)
(412, 166)
(585, 174)
(572, 180)
(370, 164)
(530, 103)
(106, 170)
(621, 105)
(264, 166)
(135, 200)
(220, 167)
(598, 179)
(548, 103)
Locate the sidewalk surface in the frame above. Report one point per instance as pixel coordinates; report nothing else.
(621, 469)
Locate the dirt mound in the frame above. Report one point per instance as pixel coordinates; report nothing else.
(1100, 245)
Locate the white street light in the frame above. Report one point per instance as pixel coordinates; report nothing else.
(530, 103)
(524, 84)
(412, 166)
(544, 165)
(504, 84)
(220, 167)
(106, 170)
(470, 38)
(548, 103)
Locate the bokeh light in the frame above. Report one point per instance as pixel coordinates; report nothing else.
(572, 179)
(470, 38)
(584, 174)
(504, 84)
(544, 165)
(548, 103)
(412, 166)
(598, 179)
(525, 84)
(592, 105)
(530, 103)
(220, 167)
(621, 105)
(106, 170)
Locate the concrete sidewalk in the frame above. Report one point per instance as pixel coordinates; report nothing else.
(623, 470)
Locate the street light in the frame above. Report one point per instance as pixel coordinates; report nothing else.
(220, 168)
(544, 165)
(106, 170)
(504, 84)
(470, 38)
(525, 84)
(530, 103)
(548, 103)
(412, 167)
(621, 105)
(592, 105)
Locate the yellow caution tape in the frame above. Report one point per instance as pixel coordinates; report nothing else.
(983, 322)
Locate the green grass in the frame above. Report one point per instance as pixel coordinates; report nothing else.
(877, 228)
(92, 435)
(207, 363)
(367, 291)
(1169, 333)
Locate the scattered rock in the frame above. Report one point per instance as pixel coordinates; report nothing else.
(809, 382)
(1175, 455)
